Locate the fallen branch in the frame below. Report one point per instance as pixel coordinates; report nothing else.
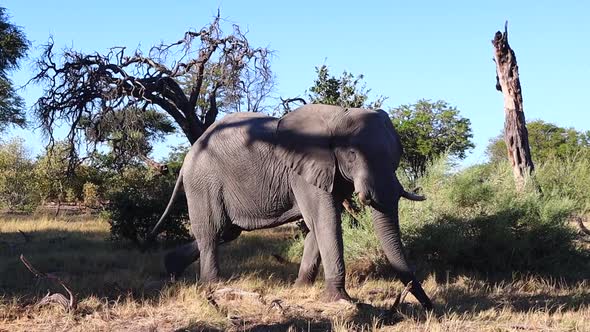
(583, 228)
(233, 293)
(68, 304)
(26, 236)
(276, 304)
(401, 297)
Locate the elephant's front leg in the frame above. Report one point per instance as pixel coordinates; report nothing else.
(322, 214)
(310, 262)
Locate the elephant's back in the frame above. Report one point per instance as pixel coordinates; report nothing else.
(237, 141)
(244, 128)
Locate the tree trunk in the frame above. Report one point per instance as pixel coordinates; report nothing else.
(515, 132)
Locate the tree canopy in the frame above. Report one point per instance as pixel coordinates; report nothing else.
(13, 47)
(547, 140)
(428, 130)
(347, 90)
(187, 82)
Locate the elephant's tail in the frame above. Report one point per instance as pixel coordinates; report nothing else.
(152, 235)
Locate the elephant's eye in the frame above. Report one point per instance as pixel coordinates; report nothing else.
(351, 155)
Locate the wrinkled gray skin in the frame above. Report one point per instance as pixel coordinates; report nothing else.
(249, 171)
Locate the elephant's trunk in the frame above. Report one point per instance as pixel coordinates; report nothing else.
(387, 230)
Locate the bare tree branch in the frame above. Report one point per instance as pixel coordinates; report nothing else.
(191, 80)
(286, 102)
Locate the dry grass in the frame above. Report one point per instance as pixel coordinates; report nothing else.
(122, 289)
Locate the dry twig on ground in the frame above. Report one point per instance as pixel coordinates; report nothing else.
(68, 304)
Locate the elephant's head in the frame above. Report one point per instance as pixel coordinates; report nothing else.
(316, 141)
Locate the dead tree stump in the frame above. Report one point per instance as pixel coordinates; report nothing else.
(515, 132)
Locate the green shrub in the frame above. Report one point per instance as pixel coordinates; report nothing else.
(137, 198)
(567, 178)
(474, 219)
(18, 190)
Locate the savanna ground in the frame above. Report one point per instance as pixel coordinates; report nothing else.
(119, 288)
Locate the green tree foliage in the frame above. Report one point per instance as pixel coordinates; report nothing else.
(429, 130)
(347, 90)
(50, 171)
(91, 196)
(18, 184)
(547, 141)
(138, 195)
(56, 182)
(129, 133)
(13, 47)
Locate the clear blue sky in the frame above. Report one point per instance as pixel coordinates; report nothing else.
(406, 49)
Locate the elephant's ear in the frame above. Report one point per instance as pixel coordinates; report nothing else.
(304, 139)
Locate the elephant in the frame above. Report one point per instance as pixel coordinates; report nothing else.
(251, 171)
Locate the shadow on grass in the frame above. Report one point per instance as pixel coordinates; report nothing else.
(290, 325)
(462, 301)
(366, 317)
(92, 265)
(83, 258)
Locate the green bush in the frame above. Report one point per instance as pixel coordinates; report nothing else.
(474, 219)
(137, 198)
(567, 178)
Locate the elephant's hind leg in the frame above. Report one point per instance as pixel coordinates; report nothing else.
(177, 260)
(180, 258)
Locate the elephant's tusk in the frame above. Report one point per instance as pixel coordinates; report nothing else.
(412, 196)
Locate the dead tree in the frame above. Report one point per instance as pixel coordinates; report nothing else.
(515, 132)
(190, 81)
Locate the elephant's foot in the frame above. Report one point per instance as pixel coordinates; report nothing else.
(174, 266)
(209, 279)
(303, 282)
(306, 278)
(333, 295)
(177, 260)
(335, 291)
